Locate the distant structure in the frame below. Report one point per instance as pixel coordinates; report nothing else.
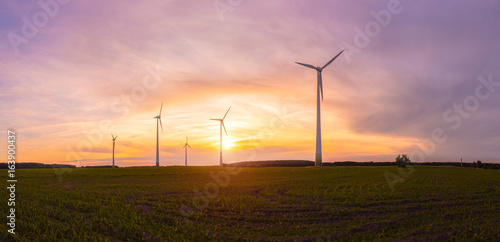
(158, 120)
(319, 155)
(186, 154)
(114, 138)
(222, 125)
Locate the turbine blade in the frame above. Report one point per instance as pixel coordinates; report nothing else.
(332, 59)
(306, 65)
(116, 137)
(226, 113)
(222, 122)
(161, 108)
(112, 136)
(161, 125)
(215, 119)
(189, 146)
(320, 84)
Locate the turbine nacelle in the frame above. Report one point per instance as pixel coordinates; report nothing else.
(158, 121)
(221, 126)
(186, 145)
(159, 117)
(222, 120)
(319, 70)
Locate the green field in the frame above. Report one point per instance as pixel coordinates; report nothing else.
(302, 203)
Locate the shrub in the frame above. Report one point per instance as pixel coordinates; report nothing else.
(402, 160)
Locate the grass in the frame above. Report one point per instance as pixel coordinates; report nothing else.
(191, 203)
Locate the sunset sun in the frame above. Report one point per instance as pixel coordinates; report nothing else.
(228, 144)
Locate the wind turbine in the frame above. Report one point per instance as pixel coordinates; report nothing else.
(114, 138)
(186, 155)
(158, 120)
(222, 125)
(318, 111)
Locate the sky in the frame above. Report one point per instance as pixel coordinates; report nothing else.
(417, 77)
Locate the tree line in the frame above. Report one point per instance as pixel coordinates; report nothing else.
(286, 163)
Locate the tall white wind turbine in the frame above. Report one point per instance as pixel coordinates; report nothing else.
(114, 138)
(319, 157)
(186, 154)
(158, 120)
(222, 125)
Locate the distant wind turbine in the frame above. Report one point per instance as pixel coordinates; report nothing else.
(114, 138)
(319, 158)
(222, 125)
(186, 155)
(158, 120)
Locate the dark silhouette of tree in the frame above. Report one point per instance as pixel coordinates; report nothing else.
(479, 164)
(402, 160)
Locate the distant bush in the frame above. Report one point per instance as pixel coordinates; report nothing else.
(402, 160)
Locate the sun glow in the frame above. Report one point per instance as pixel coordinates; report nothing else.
(228, 144)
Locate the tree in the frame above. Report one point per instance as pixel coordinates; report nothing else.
(479, 165)
(402, 160)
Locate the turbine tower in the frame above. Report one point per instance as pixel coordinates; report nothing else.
(158, 120)
(114, 138)
(222, 125)
(319, 158)
(186, 155)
